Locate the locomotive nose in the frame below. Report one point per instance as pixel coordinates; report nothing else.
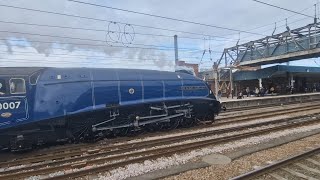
(12, 109)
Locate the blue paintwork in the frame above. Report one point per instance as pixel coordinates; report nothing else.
(14, 104)
(17, 114)
(66, 91)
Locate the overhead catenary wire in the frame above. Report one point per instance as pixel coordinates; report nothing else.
(115, 46)
(80, 57)
(99, 45)
(63, 60)
(94, 40)
(269, 24)
(284, 25)
(61, 55)
(152, 34)
(87, 44)
(76, 16)
(104, 20)
(99, 20)
(81, 50)
(85, 56)
(100, 30)
(164, 17)
(145, 34)
(296, 12)
(23, 61)
(296, 21)
(88, 61)
(57, 13)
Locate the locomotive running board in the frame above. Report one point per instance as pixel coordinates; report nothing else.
(139, 123)
(160, 119)
(168, 107)
(94, 127)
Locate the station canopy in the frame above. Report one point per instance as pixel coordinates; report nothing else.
(277, 71)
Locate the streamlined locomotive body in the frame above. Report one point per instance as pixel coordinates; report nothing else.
(46, 105)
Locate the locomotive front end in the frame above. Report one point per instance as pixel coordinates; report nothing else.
(13, 100)
(14, 108)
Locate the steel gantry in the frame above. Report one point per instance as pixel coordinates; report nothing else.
(300, 43)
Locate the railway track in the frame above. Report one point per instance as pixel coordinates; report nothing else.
(59, 149)
(124, 154)
(303, 166)
(133, 146)
(264, 114)
(278, 104)
(79, 150)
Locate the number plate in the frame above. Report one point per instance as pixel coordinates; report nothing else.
(10, 105)
(13, 109)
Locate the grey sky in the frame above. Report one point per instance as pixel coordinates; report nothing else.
(237, 14)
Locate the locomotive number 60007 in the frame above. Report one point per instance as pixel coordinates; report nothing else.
(10, 105)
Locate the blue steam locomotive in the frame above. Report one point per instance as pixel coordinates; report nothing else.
(45, 105)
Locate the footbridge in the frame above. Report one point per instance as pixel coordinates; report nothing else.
(293, 44)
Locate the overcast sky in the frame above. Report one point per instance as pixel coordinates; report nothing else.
(129, 43)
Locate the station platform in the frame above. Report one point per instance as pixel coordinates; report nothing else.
(252, 101)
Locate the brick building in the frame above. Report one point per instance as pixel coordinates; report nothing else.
(195, 67)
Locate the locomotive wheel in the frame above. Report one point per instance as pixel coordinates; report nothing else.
(173, 124)
(153, 127)
(81, 130)
(212, 119)
(207, 119)
(187, 122)
(150, 127)
(122, 131)
(125, 130)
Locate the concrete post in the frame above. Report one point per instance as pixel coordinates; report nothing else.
(215, 76)
(231, 79)
(216, 83)
(260, 83)
(291, 80)
(176, 49)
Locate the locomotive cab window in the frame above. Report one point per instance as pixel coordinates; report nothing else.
(3, 89)
(17, 86)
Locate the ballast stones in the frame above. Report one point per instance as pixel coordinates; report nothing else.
(215, 159)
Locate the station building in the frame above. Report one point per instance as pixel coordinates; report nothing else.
(283, 78)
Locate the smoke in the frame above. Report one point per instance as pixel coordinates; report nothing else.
(236, 16)
(8, 45)
(47, 45)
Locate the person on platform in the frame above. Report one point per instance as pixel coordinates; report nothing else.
(272, 90)
(240, 95)
(262, 91)
(291, 89)
(248, 91)
(219, 95)
(257, 92)
(2, 89)
(228, 93)
(232, 93)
